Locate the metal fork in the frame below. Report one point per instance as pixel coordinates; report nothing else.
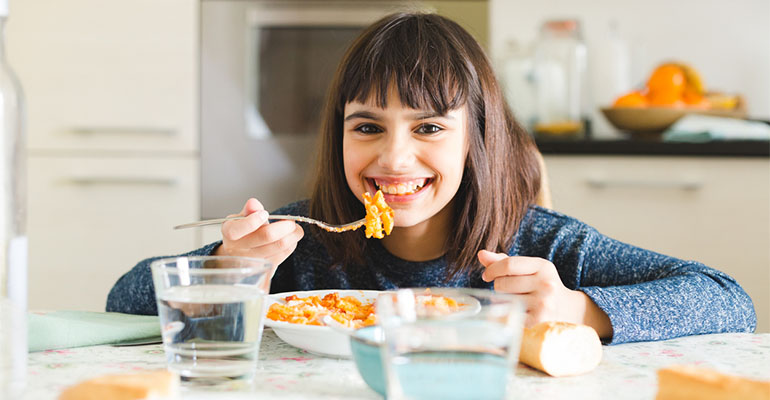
(323, 225)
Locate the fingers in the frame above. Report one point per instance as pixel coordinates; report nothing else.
(237, 229)
(534, 280)
(275, 239)
(487, 257)
(274, 242)
(269, 235)
(251, 206)
(508, 266)
(521, 284)
(538, 309)
(255, 216)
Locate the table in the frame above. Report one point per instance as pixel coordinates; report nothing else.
(627, 371)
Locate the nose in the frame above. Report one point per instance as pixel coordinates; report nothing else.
(397, 151)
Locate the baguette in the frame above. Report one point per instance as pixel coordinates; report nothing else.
(561, 348)
(155, 385)
(683, 382)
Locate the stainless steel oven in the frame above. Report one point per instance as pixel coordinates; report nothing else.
(265, 68)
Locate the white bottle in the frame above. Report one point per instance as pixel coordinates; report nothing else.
(13, 239)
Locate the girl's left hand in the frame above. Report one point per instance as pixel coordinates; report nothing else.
(538, 284)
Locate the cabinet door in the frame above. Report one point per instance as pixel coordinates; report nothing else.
(107, 74)
(712, 210)
(92, 219)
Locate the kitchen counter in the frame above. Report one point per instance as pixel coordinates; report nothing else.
(654, 147)
(627, 371)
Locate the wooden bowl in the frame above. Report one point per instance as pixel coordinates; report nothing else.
(642, 120)
(653, 120)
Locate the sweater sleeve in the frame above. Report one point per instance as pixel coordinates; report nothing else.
(134, 292)
(647, 295)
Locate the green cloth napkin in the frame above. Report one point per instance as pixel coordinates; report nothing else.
(66, 329)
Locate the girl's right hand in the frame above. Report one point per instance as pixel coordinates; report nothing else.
(253, 236)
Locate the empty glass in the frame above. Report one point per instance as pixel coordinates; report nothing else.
(436, 349)
(211, 312)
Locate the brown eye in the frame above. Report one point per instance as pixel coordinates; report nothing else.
(429, 129)
(368, 129)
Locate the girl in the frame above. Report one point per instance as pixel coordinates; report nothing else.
(415, 110)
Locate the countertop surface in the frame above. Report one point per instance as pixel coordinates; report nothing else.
(654, 147)
(627, 371)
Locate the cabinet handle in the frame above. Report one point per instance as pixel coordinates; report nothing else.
(122, 181)
(601, 183)
(123, 131)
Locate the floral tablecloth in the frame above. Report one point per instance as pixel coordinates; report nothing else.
(627, 371)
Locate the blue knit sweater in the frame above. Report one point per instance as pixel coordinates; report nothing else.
(647, 296)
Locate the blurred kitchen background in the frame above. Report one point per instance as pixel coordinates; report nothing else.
(145, 114)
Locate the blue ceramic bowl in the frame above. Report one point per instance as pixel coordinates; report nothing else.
(365, 344)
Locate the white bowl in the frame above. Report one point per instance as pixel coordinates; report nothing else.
(316, 339)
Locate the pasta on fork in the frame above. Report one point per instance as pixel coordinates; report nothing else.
(379, 216)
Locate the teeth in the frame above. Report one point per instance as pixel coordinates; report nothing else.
(401, 188)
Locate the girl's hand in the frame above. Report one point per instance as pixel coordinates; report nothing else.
(539, 286)
(253, 236)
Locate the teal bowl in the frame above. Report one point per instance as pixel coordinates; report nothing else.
(365, 345)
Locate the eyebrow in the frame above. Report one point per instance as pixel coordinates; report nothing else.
(415, 116)
(362, 114)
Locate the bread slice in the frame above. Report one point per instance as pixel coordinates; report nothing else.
(561, 348)
(156, 385)
(684, 382)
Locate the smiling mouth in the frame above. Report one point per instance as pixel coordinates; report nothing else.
(400, 188)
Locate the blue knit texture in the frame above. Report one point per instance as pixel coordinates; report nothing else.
(647, 296)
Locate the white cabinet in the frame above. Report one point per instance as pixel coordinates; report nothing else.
(92, 218)
(712, 210)
(107, 74)
(112, 106)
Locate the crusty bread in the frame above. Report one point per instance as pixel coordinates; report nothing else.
(684, 382)
(561, 348)
(156, 385)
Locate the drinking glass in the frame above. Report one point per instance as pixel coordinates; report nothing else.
(432, 352)
(211, 311)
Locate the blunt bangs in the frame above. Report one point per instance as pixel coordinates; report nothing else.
(428, 71)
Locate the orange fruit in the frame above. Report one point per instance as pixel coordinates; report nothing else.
(692, 78)
(632, 99)
(665, 99)
(667, 80)
(694, 99)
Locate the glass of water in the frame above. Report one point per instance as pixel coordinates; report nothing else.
(450, 343)
(211, 311)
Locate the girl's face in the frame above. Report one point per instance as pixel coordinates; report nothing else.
(415, 157)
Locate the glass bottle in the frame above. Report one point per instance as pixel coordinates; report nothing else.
(610, 73)
(560, 79)
(518, 81)
(13, 239)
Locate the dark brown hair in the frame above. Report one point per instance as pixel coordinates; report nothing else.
(435, 65)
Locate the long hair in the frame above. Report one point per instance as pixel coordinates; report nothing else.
(435, 65)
